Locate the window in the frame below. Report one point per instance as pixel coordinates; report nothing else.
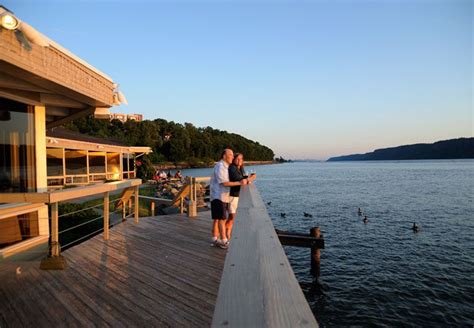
(76, 162)
(97, 166)
(128, 165)
(17, 147)
(113, 166)
(17, 228)
(54, 160)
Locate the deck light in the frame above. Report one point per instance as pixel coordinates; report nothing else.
(9, 22)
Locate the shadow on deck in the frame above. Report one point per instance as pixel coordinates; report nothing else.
(160, 272)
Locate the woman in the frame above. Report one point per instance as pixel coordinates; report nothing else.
(236, 173)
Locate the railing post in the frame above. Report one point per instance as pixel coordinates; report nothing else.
(55, 250)
(192, 210)
(137, 206)
(124, 211)
(106, 215)
(55, 261)
(181, 205)
(152, 208)
(130, 206)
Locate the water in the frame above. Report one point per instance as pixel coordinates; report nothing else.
(381, 273)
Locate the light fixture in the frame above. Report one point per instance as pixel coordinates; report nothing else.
(9, 22)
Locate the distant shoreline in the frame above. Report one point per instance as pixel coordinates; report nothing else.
(461, 148)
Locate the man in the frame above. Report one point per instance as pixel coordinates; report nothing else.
(220, 189)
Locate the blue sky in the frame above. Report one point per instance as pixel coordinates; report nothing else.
(310, 79)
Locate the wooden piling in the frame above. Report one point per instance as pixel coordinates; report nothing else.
(315, 254)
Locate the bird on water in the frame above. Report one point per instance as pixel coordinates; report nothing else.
(269, 203)
(359, 211)
(415, 227)
(283, 215)
(307, 215)
(366, 220)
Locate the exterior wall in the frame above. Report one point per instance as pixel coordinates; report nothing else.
(56, 66)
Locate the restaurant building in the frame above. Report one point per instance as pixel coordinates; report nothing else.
(43, 86)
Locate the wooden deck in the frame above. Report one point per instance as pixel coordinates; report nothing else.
(160, 272)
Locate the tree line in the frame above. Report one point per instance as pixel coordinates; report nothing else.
(173, 142)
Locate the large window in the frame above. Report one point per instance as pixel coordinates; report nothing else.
(76, 166)
(55, 158)
(97, 165)
(113, 166)
(55, 164)
(17, 147)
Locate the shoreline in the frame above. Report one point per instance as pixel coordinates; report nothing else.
(184, 165)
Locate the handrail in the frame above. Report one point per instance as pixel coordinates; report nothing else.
(258, 286)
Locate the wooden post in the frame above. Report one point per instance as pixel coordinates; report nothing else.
(106, 215)
(55, 261)
(181, 205)
(55, 250)
(152, 208)
(315, 254)
(192, 210)
(124, 211)
(137, 206)
(130, 206)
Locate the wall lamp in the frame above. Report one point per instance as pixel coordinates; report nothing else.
(7, 20)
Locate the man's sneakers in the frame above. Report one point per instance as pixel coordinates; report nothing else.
(221, 244)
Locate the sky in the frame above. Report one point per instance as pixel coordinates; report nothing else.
(309, 79)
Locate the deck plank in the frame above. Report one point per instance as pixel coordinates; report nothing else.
(160, 272)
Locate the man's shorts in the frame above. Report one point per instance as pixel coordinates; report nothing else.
(218, 209)
(233, 203)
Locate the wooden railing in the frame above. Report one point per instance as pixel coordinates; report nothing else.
(187, 197)
(258, 286)
(53, 198)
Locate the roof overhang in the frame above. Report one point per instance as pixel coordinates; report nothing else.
(91, 146)
(53, 77)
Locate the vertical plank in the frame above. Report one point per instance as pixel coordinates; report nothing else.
(137, 206)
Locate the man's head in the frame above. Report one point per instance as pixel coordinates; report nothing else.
(227, 155)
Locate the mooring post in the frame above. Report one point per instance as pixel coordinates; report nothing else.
(315, 255)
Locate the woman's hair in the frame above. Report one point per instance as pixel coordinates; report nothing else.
(236, 156)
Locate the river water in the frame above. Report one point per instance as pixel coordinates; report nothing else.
(380, 273)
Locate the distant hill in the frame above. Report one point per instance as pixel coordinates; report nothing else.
(446, 149)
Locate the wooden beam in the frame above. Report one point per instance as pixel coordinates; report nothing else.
(69, 118)
(26, 97)
(10, 82)
(57, 111)
(301, 241)
(61, 101)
